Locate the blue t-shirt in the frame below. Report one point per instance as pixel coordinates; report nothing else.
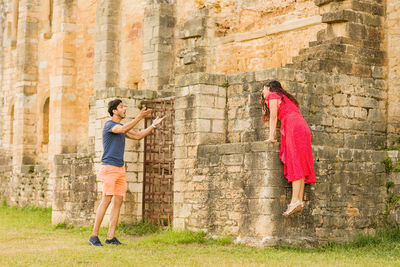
(114, 146)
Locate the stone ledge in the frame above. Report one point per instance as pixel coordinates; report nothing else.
(238, 148)
(200, 78)
(114, 92)
(324, 2)
(273, 29)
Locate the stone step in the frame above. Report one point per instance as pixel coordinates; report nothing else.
(368, 7)
(358, 5)
(353, 53)
(323, 46)
(325, 2)
(352, 16)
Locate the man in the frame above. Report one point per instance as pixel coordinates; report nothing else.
(112, 171)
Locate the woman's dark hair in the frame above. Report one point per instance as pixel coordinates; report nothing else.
(113, 105)
(274, 86)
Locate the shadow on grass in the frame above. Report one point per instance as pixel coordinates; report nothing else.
(154, 234)
(138, 229)
(173, 237)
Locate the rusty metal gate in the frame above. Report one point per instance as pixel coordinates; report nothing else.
(158, 171)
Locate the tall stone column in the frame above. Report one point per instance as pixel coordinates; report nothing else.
(63, 96)
(199, 120)
(393, 50)
(2, 104)
(26, 85)
(106, 61)
(158, 38)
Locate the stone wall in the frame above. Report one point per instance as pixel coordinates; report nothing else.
(131, 210)
(61, 62)
(393, 186)
(31, 186)
(227, 181)
(74, 189)
(239, 36)
(341, 110)
(239, 189)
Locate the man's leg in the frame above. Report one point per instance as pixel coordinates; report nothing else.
(117, 202)
(101, 210)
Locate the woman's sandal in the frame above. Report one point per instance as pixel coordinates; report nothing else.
(293, 208)
(301, 206)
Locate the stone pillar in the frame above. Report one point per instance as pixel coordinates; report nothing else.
(193, 46)
(199, 119)
(393, 50)
(158, 43)
(106, 61)
(14, 24)
(2, 64)
(26, 84)
(63, 96)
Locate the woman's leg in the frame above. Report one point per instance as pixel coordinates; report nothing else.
(296, 203)
(301, 192)
(296, 190)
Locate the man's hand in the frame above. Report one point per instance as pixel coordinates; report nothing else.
(145, 113)
(158, 120)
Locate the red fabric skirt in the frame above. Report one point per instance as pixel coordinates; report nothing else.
(295, 151)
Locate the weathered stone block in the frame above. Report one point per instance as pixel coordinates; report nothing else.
(233, 159)
(193, 28)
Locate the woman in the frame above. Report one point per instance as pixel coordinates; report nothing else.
(295, 151)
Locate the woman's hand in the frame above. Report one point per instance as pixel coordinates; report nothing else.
(271, 140)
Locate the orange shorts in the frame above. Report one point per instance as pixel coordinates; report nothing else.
(114, 180)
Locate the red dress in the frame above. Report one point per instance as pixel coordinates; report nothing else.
(295, 151)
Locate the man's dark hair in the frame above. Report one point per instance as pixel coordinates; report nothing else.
(113, 105)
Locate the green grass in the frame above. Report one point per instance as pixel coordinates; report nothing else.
(27, 238)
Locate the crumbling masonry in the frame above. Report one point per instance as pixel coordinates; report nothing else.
(63, 60)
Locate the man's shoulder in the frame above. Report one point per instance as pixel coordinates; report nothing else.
(108, 125)
(111, 122)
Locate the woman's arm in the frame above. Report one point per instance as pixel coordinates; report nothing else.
(273, 119)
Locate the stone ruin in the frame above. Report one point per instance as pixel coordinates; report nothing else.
(203, 62)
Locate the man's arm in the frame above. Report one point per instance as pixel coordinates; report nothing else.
(139, 135)
(127, 127)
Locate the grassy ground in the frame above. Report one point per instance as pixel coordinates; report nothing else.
(28, 239)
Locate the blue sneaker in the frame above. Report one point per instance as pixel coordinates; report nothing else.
(95, 241)
(113, 241)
